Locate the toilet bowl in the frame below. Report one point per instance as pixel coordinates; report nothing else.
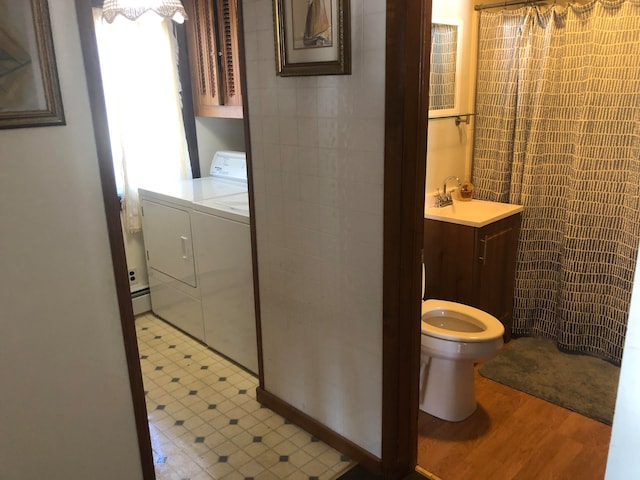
(454, 337)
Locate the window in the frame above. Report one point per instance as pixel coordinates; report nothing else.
(138, 60)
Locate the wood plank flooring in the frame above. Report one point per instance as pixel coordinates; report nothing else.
(513, 435)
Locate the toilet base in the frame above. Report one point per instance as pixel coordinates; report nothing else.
(447, 389)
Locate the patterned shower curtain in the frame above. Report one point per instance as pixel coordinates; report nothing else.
(558, 131)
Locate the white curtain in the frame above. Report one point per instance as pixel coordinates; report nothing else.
(558, 131)
(138, 60)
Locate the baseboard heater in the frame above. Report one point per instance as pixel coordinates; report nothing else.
(141, 301)
(139, 293)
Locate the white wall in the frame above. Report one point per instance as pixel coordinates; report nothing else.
(449, 147)
(66, 403)
(625, 435)
(317, 145)
(217, 134)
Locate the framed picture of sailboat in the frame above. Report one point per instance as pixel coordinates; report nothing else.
(29, 88)
(312, 37)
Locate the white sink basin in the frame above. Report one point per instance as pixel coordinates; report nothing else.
(476, 213)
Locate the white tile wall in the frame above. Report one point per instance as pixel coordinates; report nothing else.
(317, 145)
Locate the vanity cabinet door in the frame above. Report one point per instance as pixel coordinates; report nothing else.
(212, 41)
(495, 261)
(448, 260)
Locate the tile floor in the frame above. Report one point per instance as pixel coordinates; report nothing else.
(206, 424)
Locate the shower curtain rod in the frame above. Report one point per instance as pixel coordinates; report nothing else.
(508, 3)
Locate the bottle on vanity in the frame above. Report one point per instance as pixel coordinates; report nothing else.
(466, 191)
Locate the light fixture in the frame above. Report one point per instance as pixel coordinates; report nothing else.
(132, 9)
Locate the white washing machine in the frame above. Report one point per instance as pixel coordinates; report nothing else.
(225, 271)
(228, 175)
(199, 257)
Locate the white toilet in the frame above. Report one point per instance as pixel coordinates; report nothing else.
(454, 336)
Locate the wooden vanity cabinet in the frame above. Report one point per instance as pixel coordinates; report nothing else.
(473, 265)
(212, 41)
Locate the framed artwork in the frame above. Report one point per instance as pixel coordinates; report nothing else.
(29, 88)
(312, 37)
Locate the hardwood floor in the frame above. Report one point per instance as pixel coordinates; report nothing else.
(513, 435)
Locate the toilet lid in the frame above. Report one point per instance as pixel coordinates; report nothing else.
(465, 323)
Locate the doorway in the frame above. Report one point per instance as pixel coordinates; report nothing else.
(278, 446)
(405, 127)
(440, 441)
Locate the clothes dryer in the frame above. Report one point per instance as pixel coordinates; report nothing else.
(169, 243)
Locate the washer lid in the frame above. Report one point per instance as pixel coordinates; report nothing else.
(184, 192)
(234, 207)
(229, 165)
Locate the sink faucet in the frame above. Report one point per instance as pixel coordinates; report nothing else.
(443, 199)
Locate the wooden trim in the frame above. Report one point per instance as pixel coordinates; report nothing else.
(220, 111)
(407, 74)
(116, 242)
(320, 431)
(242, 66)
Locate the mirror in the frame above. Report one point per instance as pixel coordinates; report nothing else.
(444, 85)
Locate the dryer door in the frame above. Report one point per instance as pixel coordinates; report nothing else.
(167, 239)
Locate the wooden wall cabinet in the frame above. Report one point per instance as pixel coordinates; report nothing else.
(474, 266)
(212, 42)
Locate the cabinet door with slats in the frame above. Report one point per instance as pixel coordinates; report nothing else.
(228, 37)
(203, 53)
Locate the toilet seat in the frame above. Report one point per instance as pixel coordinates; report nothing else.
(486, 326)
(448, 356)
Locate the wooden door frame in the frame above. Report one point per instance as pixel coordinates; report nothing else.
(408, 42)
(114, 227)
(406, 104)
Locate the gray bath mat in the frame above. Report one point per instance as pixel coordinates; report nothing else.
(581, 383)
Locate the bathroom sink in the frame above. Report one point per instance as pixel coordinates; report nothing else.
(476, 213)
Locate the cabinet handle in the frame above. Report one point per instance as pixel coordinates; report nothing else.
(487, 239)
(183, 243)
(484, 240)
